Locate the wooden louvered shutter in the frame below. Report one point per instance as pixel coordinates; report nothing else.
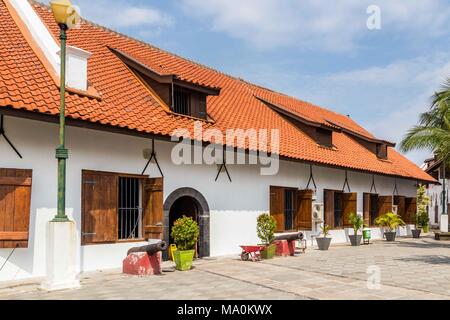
(399, 201)
(202, 106)
(153, 208)
(366, 208)
(304, 210)
(350, 206)
(15, 199)
(329, 207)
(411, 210)
(100, 201)
(384, 204)
(277, 206)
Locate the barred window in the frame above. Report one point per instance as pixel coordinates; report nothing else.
(182, 102)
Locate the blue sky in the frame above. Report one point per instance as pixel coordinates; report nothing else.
(317, 50)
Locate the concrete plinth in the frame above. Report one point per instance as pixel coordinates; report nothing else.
(285, 248)
(444, 223)
(142, 264)
(61, 256)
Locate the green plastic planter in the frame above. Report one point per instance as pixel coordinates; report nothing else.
(183, 259)
(367, 234)
(269, 252)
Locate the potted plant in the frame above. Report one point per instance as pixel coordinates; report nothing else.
(357, 223)
(324, 242)
(391, 221)
(265, 229)
(422, 219)
(185, 234)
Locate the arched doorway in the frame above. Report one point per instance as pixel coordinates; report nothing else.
(191, 203)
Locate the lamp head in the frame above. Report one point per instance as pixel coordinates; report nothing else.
(64, 13)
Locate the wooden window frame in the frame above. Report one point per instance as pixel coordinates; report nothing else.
(295, 200)
(294, 207)
(118, 175)
(188, 96)
(343, 217)
(17, 195)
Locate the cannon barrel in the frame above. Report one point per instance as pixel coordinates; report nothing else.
(290, 237)
(150, 249)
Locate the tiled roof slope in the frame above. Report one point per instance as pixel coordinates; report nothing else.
(125, 102)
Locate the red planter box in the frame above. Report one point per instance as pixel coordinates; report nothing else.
(285, 248)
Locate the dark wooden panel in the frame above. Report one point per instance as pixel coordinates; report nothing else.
(100, 207)
(384, 204)
(15, 181)
(399, 201)
(277, 206)
(366, 208)
(153, 208)
(304, 210)
(350, 206)
(15, 201)
(324, 137)
(329, 207)
(411, 210)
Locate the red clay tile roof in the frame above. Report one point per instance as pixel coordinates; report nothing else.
(26, 84)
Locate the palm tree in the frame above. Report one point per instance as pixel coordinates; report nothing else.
(433, 130)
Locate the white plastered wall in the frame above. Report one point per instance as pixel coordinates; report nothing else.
(234, 206)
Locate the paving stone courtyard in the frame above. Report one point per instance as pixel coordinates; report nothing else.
(407, 269)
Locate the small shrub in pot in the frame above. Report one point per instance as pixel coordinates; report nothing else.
(324, 242)
(422, 218)
(357, 224)
(185, 233)
(391, 222)
(265, 229)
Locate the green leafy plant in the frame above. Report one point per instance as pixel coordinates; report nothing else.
(390, 220)
(357, 222)
(265, 228)
(422, 218)
(433, 131)
(325, 230)
(185, 232)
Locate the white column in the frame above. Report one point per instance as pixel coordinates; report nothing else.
(61, 256)
(444, 223)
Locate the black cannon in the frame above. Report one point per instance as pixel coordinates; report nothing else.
(150, 249)
(290, 237)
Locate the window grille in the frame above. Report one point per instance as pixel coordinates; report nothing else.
(289, 210)
(338, 210)
(373, 209)
(130, 209)
(182, 102)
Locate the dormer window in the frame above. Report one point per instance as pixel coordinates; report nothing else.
(182, 102)
(189, 102)
(382, 151)
(324, 137)
(179, 95)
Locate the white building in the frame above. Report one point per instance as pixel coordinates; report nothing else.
(436, 192)
(137, 94)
